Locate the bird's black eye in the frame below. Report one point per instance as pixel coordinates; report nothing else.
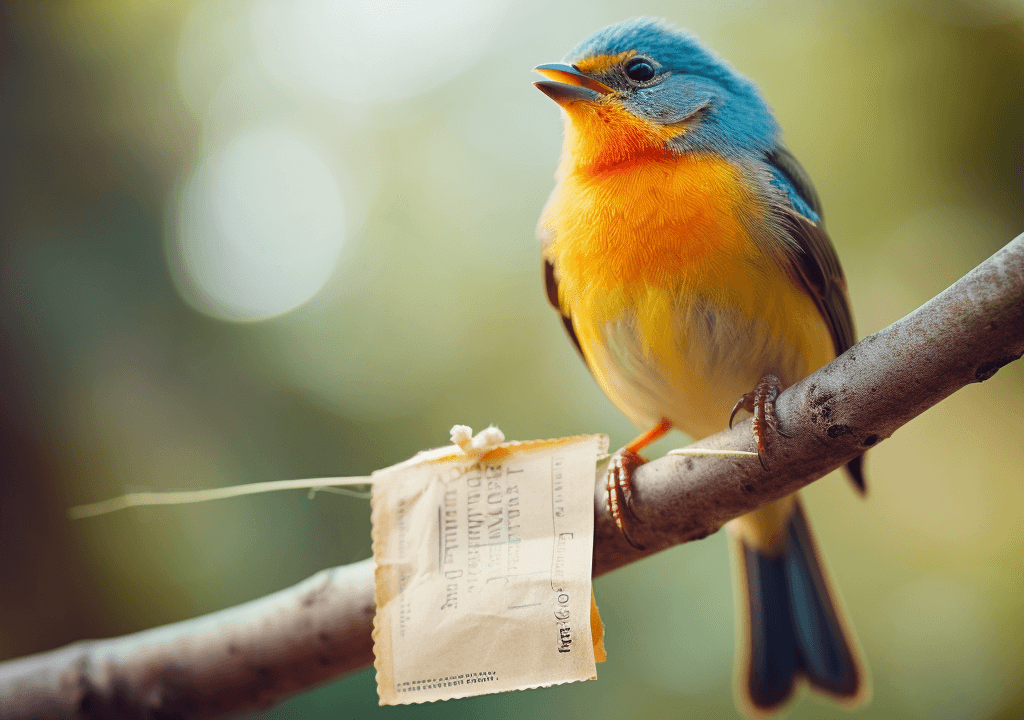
(640, 70)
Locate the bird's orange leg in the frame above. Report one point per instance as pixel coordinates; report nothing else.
(761, 402)
(618, 489)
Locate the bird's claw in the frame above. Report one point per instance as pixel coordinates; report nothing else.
(746, 402)
(761, 402)
(619, 491)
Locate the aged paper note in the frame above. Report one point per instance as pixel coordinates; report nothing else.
(483, 570)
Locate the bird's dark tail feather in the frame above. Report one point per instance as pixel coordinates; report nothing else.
(791, 626)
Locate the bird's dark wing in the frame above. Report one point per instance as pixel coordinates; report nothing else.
(551, 286)
(544, 234)
(813, 261)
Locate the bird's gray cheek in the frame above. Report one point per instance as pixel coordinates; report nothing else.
(667, 105)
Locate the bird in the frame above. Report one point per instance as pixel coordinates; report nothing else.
(684, 247)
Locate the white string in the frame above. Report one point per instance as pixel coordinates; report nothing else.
(706, 451)
(195, 496)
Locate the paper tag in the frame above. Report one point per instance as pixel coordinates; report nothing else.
(483, 570)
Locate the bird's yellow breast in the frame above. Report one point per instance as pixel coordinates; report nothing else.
(644, 235)
(652, 252)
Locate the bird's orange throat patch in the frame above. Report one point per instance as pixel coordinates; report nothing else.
(604, 133)
(652, 222)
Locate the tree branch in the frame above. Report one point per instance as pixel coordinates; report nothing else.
(238, 659)
(258, 653)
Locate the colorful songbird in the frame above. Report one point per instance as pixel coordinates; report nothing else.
(684, 248)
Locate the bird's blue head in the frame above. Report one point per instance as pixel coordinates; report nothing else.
(644, 86)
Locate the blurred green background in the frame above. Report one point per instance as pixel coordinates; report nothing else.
(246, 240)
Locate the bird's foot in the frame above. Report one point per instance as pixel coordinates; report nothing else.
(619, 491)
(761, 402)
(619, 484)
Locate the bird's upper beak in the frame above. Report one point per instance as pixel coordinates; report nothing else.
(566, 84)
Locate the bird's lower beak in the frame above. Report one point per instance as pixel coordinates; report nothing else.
(566, 84)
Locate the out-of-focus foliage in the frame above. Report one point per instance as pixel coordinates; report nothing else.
(246, 240)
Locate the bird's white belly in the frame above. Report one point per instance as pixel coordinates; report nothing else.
(719, 357)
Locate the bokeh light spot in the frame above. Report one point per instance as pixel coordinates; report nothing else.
(260, 227)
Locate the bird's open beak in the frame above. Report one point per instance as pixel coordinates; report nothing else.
(566, 84)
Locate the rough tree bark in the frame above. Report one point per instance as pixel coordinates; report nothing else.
(260, 652)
